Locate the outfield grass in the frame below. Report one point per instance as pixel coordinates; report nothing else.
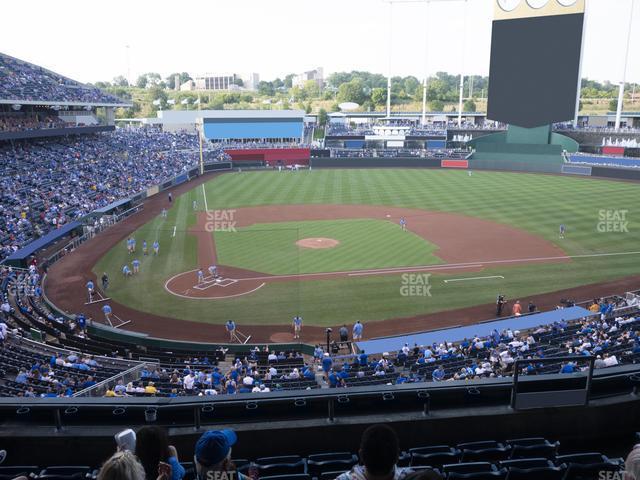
(536, 203)
(364, 244)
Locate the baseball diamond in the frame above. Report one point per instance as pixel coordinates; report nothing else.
(454, 227)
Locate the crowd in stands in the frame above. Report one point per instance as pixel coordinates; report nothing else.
(46, 184)
(259, 144)
(397, 153)
(604, 160)
(611, 335)
(22, 81)
(19, 122)
(148, 454)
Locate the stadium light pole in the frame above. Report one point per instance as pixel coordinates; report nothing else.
(464, 41)
(390, 57)
(425, 80)
(624, 70)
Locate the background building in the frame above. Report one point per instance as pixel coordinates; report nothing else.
(317, 75)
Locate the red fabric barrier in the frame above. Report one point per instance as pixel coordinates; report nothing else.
(613, 151)
(288, 156)
(454, 164)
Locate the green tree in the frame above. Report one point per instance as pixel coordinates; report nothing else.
(266, 88)
(335, 107)
(142, 81)
(322, 117)
(120, 81)
(352, 91)
(613, 105)
(288, 80)
(436, 105)
(379, 96)
(311, 89)
(157, 98)
(469, 106)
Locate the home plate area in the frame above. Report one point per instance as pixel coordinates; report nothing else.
(185, 285)
(210, 282)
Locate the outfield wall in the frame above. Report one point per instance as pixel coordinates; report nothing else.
(375, 162)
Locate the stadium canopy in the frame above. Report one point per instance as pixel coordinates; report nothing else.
(24, 253)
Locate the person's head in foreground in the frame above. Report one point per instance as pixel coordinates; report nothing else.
(122, 465)
(213, 452)
(632, 464)
(379, 452)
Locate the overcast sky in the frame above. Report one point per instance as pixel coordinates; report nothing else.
(86, 40)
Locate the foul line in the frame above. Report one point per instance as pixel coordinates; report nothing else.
(472, 278)
(174, 231)
(421, 268)
(204, 194)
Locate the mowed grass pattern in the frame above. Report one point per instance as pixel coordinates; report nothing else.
(536, 203)
(364, 244)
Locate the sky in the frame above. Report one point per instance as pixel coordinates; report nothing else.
(87, 40)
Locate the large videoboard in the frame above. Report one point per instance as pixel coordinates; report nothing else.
(535, 61)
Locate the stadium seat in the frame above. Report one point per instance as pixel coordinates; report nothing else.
(65, 471)
(586, 465)
(330, 475)
(330, 462)
(282, 465)
(295, 476)
(9, 473)
(485, 451)
(470, 467)
(535, 447)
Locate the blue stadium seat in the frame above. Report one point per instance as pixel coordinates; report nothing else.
(330, 462)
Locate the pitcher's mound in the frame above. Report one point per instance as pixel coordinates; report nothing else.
(317, 243)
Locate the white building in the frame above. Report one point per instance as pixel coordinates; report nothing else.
(317, 75)
(222, 81)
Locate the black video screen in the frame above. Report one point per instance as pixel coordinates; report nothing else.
(535, 63)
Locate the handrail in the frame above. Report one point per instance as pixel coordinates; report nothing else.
(97, 388)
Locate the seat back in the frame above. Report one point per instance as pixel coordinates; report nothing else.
(526, 463)
(434, 459)
(539, 473)
(316, 468)
(470, 467)
(297, 476)
(496, 475)
(544, 450)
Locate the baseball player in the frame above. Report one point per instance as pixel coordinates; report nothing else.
(105, 281)
(403, 223)
(563, 229)
(297, 326)
(136, 266)
(164, 213)
(126, 271)
(145, 250)
(200, 276)
(133, 245)
(90, 289)
(213, 271)
(195, 205)
(156, 247)
(130, 245)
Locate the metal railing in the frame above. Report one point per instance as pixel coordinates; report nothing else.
(100, 388)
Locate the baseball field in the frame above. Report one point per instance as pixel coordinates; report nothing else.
(329, 245)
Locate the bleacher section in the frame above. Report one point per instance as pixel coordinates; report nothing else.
(24, 82)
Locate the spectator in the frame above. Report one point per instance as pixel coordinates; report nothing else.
(123, 465)
(213, 454)
(379, 451)
(632, 464)
(152, 448)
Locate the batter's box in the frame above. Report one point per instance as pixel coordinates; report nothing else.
(220, 282)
